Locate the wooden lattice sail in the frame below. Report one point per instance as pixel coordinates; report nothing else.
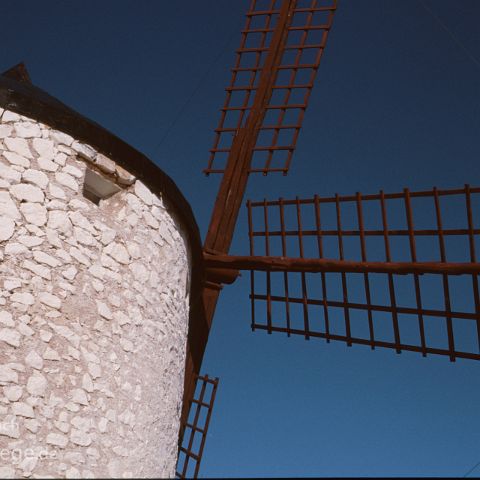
(393, 270)
(286, 40)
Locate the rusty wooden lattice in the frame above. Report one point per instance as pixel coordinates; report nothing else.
(277, 61)
(196, 427)
(306, 30)
(401, 273)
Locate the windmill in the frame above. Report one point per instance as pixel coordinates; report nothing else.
(302, 249)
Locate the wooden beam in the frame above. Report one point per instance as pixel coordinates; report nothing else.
(315, 265)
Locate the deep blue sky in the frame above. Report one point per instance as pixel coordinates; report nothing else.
(397, 103)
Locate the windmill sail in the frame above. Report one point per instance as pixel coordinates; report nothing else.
(195, 427)
(282, 44)
(302, 27)
(396, 270)
(392, 270)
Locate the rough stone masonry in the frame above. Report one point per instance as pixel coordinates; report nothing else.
(93, 314)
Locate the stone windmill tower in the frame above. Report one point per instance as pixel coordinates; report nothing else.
(99, 255)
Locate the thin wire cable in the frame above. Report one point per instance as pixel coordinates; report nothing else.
(450, 33)
(471, 470)
(194, 92)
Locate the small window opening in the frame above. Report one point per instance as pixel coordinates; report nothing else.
(96, 187)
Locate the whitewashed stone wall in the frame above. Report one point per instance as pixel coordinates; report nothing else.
(93, 315)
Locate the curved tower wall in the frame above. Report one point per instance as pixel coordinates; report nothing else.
(93, 312)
